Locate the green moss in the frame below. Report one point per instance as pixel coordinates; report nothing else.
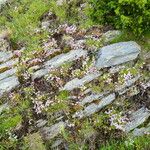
(58, 107)
(63, 95)
(8, 122)
(139, 143)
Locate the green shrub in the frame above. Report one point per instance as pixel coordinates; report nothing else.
(126, 14)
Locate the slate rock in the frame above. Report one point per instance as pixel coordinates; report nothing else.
(141, 131)
(9, 63)
(77, 83)
(7, 73)
(91, 98)
(93, 108)
(5, 55)
(137, 118)
(117, 53)
(129, 83)
(8, 84)
(3, 107)
(41, 123)
(111, 35)
(57, 143)
(2, 2)
(51, 132)
(59, 60)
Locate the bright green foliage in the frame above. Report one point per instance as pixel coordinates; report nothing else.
(8, 123)
(22, 18)
(126, 14)
(138, 143)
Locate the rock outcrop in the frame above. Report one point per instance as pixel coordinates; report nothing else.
(137, 118)
(58, 61)
(77, 83)
(93, 108)
(8, 78)
(117, 53)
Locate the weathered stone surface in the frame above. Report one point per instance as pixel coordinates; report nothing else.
(8, 84)
(70, 56)
(111, 35)
(8, 73)
(51, 132)
(58, 61)
(3, 107)
(57, 143)
(9, 63)
(2, 2)
(137, 118)
(5, 55)
(77, 83)
(128, 90)
(129, 83)
(91, 98)
(117, 53)
(41, 123)
(93, 108)
(141, 131)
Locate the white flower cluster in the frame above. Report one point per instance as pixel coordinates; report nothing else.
(145, 86)
(38, 106)
(117, 120)
(12, 136)
(71, 29)
(69, 124)
(51, 44)
(128, 76)
(79, 44)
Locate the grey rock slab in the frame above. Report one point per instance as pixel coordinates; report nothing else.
(63, 58)
(8, 84)
(8, 73)
(40, 73)
(137, 118)
(51, 132)
(59, 60)
(129, 83)
(2, 2)
(93, 108)
(135, 92)
(141, 131)
(41, 123)
(9, 63)
(5, 55)
(91, 98)
(111, 35)
(77, 83)
(3, 107)
(117, 53)
(56, 144)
